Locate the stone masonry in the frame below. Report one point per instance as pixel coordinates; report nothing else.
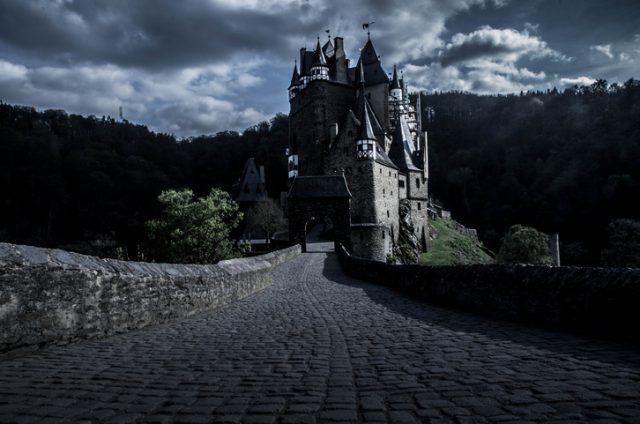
(52, 296)
(320, 347)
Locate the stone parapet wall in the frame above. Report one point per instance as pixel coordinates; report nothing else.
(52, 296)
(596, 301)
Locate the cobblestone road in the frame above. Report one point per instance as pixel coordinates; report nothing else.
(321, 347)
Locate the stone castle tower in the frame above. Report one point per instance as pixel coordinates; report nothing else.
(353, 126)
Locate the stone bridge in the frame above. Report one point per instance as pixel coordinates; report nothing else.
(318, 346)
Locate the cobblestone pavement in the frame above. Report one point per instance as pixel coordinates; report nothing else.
(321, 347)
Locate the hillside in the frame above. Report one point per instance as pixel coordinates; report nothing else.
(451, 247)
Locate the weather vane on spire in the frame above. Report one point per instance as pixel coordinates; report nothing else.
(366, 26)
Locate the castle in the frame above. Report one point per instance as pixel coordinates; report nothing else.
(357, 153)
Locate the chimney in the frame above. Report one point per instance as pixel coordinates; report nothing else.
(262, 174)
(339, 46)
(303, 51)
(342, 63)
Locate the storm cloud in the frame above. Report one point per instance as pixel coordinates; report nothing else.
(201, 66)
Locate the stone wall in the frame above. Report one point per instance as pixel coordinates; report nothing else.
(52, 296)
(372, 241)
(386, 198)
(317, 107)
(584, 300)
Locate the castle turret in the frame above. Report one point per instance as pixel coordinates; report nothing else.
(319, 67)
(395, 91)
(367, 140)
(294, 87)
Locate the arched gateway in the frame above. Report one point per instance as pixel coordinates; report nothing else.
(319, 197)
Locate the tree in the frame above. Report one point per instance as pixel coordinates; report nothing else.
(525, 245)
(623, 248)
(266, 216)
(193, 230)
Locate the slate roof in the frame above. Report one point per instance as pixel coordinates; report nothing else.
(323, 186)
(381, 157)
(375, 122)
(366, 131)
(328, 49)
(401, 151)
(295, 77)
(319, 58)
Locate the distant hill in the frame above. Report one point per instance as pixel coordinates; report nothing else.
(562, 162)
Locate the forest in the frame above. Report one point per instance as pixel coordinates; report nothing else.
(565, 162)
(561, 161)
(89, 184)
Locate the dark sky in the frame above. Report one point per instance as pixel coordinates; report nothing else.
(193, 67)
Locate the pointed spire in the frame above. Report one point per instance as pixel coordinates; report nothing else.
(402, 151)
(395, 83)
(318, 57)
(295, 77)
(366, 131)
(369, 54)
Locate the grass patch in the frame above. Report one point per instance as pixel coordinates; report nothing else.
(450, 247)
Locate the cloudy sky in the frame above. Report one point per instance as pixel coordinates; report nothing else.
(193, 67)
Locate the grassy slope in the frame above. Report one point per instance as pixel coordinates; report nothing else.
(452, 248)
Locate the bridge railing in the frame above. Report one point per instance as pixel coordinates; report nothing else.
(600, 301)
(53, 296)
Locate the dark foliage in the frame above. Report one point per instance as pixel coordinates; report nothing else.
(89, 184)
(562, 162)
(623, 247)
(524, 245)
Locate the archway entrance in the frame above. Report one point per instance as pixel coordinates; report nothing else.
(320, 235)
(321, 206)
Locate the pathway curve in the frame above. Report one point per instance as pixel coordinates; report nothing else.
(318, 346)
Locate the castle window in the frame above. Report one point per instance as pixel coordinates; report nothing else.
(383, 233)
(417, 182)
(383, 192)
(388, 215)
(392, 192)
(401, 183)
(389, 173)
(381, 170)
(419, 205)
